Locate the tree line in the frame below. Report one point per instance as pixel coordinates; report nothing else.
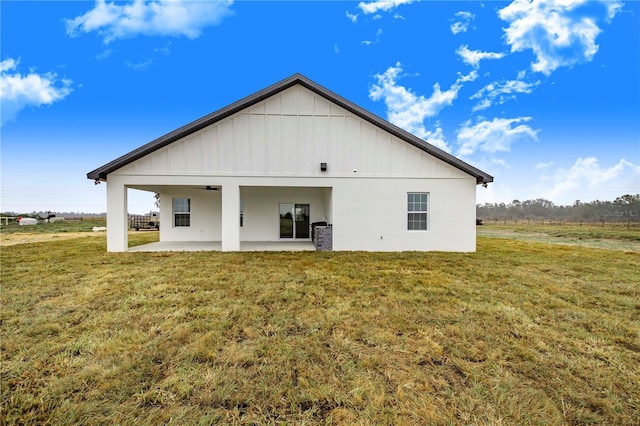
(625, 208)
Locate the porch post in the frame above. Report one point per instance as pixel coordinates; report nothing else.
(230, 217)
(117, 216)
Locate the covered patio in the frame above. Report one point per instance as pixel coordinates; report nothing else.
(217, 246)
(216, 216)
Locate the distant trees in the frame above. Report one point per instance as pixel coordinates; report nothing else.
(622, 209)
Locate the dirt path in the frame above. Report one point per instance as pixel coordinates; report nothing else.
(541, 237)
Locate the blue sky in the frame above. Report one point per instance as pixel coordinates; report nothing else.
(543, 95)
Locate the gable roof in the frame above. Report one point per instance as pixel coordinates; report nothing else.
(101, 172)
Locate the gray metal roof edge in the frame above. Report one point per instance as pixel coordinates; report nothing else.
(101, 172)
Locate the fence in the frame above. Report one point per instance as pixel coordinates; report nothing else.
(6, 219)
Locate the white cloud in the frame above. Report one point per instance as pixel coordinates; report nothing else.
(139, 66)
(437, 139)
(408, 110)
(466, 78)
(473, 57)
(500, 162)
(613, 8)
(164, 50)
(462, 25)
(586, 179)
(104, 55)
(559, 32)
(352, 17)
(542, 166)
(18, 91)
(497, 192)
(383, 5)
(376, 41)
(493, 136)
(500, 92)
(483, 104)
(155, 17)
(8, 64)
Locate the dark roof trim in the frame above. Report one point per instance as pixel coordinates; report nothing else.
(102, 172)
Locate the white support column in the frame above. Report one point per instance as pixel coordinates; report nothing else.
(230, 217)
(117, 217)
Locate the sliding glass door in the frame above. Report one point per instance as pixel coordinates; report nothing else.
(294, 221)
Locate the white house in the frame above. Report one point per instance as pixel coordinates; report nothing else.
(268, 166)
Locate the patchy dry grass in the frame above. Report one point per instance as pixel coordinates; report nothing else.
(616, 236)
(517, 333)
(610, 230)
(12, 234)
(69, 226)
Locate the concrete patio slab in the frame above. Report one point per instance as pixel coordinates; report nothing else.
(217, 246)
(277, 246)
(177, 246)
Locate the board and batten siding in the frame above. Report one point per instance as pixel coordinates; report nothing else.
(290, 134)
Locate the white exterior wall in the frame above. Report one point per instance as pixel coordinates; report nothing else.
(231, 217)
(261, 209)
(117, 216)
(371, 215)
(206, 215)
(366, 213)
(261, 214)
(271, 152)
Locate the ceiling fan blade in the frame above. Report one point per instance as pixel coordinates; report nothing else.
(207, 188)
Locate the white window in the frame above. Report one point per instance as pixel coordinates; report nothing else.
(181, 212)
(417, 205)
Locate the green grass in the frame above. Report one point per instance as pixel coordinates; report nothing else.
(611, 230)
(85, 225)
(611, 236)
(516, 333)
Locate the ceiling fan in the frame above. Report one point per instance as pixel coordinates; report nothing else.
(207, 188)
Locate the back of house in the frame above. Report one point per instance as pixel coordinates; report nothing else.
(269, 166)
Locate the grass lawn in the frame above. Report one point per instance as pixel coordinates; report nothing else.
(517, 333)
(617, 236)
(71, 226)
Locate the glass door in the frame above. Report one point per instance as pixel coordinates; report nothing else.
(302, 221)
(294, 221)
(286, 220)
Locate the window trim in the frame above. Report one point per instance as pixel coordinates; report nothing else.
(175, 211)
(411, 204)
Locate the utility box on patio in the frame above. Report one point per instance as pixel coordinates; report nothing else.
(323, 238)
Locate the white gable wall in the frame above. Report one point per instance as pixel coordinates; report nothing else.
(290, 135)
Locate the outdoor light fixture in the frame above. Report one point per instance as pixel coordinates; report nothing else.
(323, 167)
